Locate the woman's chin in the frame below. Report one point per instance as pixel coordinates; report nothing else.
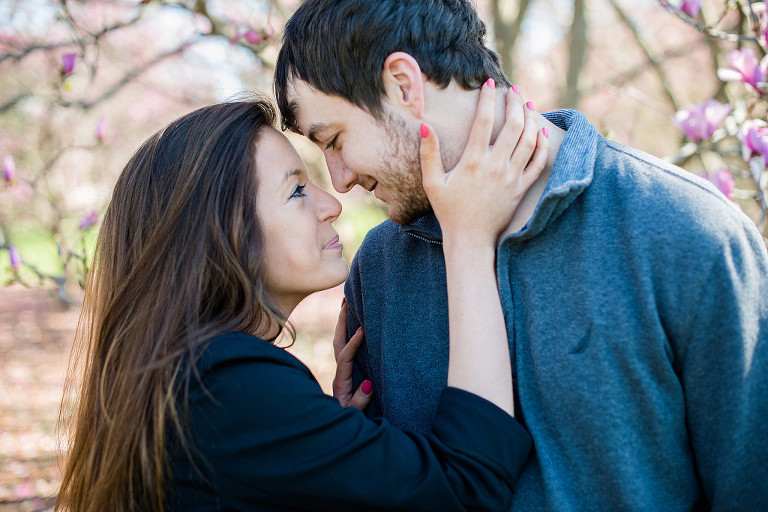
(338, 278)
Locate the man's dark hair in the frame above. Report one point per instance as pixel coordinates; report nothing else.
(339, 47)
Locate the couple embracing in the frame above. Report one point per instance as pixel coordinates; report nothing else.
(548, 321)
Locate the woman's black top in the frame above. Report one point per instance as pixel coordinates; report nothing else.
(264, 436)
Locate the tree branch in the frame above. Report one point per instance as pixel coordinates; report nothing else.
(507, 34)
(651, 59)
(128, 78)
(87, 39)
(576, 55)
(711, 31)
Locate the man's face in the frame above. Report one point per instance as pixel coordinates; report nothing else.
(379, 155)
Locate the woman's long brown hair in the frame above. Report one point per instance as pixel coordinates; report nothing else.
(178, 261)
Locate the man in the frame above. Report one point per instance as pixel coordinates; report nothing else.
(635, 295)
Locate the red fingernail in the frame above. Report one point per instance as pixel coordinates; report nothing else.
(367, 387)
(358, 329)
(343, 301)
(545, 132)
(424, 130)
(529, 105)
(491, 83)
(516, 89)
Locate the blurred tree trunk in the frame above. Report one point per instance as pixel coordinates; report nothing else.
(577, 51)
(507, 32)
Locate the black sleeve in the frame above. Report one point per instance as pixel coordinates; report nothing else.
(272, 438)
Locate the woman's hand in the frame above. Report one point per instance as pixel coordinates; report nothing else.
(476, 200)
(345, 354)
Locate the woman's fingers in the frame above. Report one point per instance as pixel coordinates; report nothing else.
(340, 334)
(432, 172)
(362, 396)
(342, 381)
(482, 126)
(514, 123)
(346, 356)
(526, 143)
(539, 160)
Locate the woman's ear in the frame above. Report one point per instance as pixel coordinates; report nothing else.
(404, 83)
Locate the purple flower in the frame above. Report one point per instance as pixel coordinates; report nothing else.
(15, 259)
(9, 169)
(88, 220)
(754, 138)
(723, 180)
(744, 68)
(252, 36)
(701, 120)
(691, 7)
(68, 61)
(101, 129)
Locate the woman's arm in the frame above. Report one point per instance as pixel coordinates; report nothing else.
(474, 202)
(270, 439)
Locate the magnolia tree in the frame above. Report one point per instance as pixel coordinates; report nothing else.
(82, 83)
(728, 134)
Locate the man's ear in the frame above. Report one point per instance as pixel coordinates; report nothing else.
(404, 83)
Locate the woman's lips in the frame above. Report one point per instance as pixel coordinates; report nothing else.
(334, 244)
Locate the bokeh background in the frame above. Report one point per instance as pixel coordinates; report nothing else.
(83, 83)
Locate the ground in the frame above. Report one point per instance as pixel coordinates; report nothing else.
(36, 333)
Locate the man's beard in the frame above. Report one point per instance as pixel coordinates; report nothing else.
(400, 171)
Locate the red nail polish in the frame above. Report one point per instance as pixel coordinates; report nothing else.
(424, 130)
(367, 387)
(529, 105)
(516, 89)
(491, 83)
(545, 132)
(343, 301)
(358, 329)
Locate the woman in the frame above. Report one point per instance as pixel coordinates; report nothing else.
(213, 235)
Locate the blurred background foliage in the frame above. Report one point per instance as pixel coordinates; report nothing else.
(82, 83)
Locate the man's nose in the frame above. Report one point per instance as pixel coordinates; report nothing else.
(342, 178)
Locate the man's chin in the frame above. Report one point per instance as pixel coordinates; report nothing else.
(404, 216)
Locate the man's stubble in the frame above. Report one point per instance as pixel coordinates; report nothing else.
(400, 170)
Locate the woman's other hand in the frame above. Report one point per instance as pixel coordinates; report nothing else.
(345, 354)
(476, 200)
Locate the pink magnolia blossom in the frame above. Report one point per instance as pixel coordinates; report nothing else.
(68, 61)
(701, 120)
(252, 36)
(745, 68)
(723, 180)
(9, 169)
(691, 7)
(88, 220)
(15, 258)
(754, 138)
(101, 129)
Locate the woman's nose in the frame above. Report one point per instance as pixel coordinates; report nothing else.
(328, 208)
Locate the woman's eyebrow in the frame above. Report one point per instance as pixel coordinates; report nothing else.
(290, 174)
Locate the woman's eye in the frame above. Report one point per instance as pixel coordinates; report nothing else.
(298, 191)
(332, 143)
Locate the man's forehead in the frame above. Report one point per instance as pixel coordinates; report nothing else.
(312, 108)
(306, 104)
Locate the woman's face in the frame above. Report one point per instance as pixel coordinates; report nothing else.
(303, 252)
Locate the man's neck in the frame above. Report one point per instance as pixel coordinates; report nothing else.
(453, 123)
